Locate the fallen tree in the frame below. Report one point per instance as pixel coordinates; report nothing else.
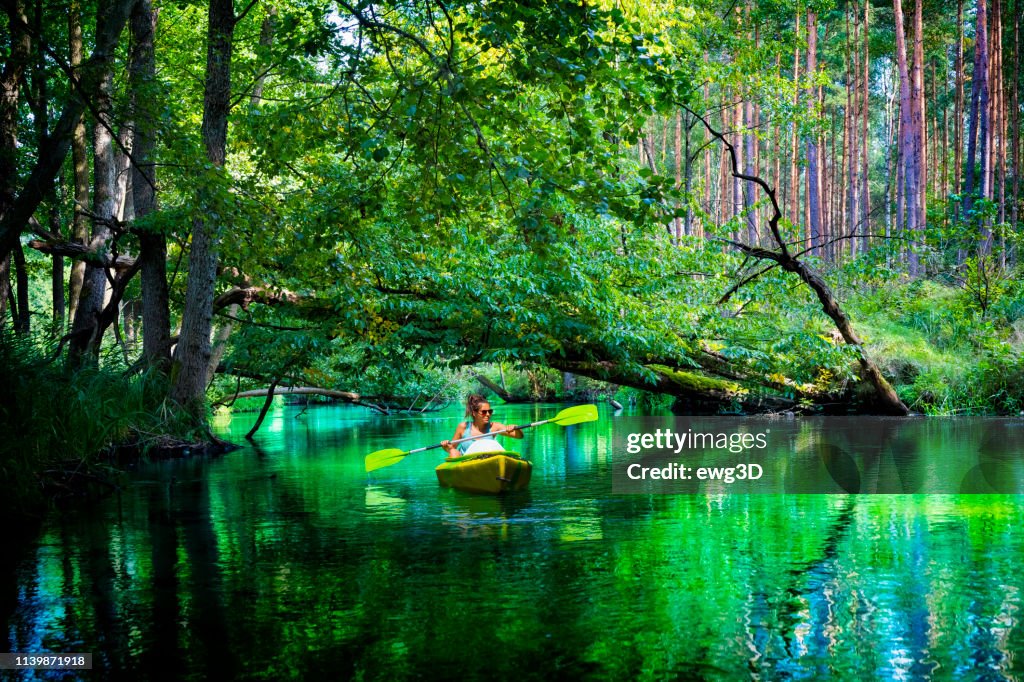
(886, 400)
(707, 383)
(694, 393)
(345, 396)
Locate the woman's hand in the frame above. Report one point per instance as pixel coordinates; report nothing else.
(512, 430)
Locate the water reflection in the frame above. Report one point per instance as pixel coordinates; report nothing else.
(289, 562)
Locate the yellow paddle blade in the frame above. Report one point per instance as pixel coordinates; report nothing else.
(384, 458)
(576, 415)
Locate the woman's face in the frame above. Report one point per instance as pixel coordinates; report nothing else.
(483, 412)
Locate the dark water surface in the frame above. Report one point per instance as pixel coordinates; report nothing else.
(288, 561)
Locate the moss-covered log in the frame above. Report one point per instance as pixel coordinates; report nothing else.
(694, 393)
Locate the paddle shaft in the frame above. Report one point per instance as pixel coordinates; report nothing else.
(482, 435)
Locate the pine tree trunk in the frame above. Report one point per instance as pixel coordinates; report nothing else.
(864, 223)
(813, 169)
(793, 193)
(918, 127)
(999, 109)
(958, 104)
(906, 202)
(1015, 108)
(737, 184)
(849, 135)
(678, 148)
(901, 185)
(979, 105)
(890, 160)
(748, 187)
(984, 123)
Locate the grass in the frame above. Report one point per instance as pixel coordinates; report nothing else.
(942, 355)
(63, 428)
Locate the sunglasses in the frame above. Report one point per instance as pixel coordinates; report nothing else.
(485, 411)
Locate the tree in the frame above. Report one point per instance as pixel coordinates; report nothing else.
(192, 357)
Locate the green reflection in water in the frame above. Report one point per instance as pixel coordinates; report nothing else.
(288, 561)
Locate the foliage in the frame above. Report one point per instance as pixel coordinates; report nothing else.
(437, 186)
(943, 355)
(55, 420)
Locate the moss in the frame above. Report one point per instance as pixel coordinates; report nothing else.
(697, 383)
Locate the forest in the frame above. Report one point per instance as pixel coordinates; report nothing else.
(785, 206)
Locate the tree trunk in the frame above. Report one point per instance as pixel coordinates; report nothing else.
(266, 42)
(21, 312)
(156, 317)
(958, 103)
(979, 105)
(1015, 108)
(890, 160)
(793, 191)
(901, 184)
(86, 326)
(749, 159)
(984, 125)
(864, 223)
(220, 341)
(920, 151)
(192, 356)
(737, 185)
(500, 391)
(689, 227)
(998, 165)
(80, 169)
(849, 128)
(907, 202)
(813, 171)
(678, 148)
(15, 63)
(303, 390)
(6, 298)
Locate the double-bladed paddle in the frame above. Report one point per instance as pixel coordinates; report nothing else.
(567, 417)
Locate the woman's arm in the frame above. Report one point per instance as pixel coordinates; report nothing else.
(453, 450)
(515, 430)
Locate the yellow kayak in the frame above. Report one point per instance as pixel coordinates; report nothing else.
(490, 472)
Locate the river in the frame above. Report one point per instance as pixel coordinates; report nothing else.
(288, 561)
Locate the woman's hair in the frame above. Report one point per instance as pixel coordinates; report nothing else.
(472, 402)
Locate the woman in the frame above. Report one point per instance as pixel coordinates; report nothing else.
(480, 410)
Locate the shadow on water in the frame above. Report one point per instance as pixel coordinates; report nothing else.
(811, 581)
(149, 609)
(166, 657)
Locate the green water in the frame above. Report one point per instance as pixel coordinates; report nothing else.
(288, 562)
